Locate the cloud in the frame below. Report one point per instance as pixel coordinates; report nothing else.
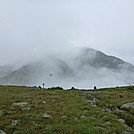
(32, 27)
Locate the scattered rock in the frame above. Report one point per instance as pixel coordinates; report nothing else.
(108, 110)
(104, 116)
(101, 127)
(44, 102)
(20, 104)
(26, 109)
(3, 112)
(128, 105)
(107, 123)
(93, 105)
(2, 132)
(15, 122)
(46, 115)
(125, 132)
(86, 110)
(83, 116)
(76, 118)
(88, 101)
(121, 120)
(64, 116)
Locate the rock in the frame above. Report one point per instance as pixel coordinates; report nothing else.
(76, 118)
(64, 116)
(26, 108)
(107, 123)
(108, 110)
(2, 132)
(15, 122)
(86, 110)
(88, 101)
(100, 127)
(93, 105)
(128, 105)
(83, 116)
(125, 132)
(20, 104)
(44, 102)
(121, 120)
(2, 112)
(46, 115)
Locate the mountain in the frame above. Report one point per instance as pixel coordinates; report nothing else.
(88, 66)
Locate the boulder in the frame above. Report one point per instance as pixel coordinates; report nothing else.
(128, 105)
(15, 122)
(125, 132)
(3, 112)
(20, 104)
(83, 116)
(2, 132)
(46, 115)
(107, 123)
(64, 116)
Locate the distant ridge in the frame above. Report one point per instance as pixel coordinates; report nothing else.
(87, 65)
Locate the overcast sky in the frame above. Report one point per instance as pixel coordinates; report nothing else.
(31, 27)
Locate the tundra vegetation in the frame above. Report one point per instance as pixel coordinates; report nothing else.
(30, 110)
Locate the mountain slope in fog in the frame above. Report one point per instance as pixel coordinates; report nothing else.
(87, 68)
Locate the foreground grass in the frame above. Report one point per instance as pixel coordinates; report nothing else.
(80, 117)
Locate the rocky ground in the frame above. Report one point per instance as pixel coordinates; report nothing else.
(30, 110)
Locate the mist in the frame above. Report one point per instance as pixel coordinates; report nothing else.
(49, 32)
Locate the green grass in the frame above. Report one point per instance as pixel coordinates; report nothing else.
(65, 102)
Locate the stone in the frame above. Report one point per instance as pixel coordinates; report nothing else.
(46, 115)
(128, 105)
(64, 116)
(107, 123)
(86, 110)
(121, 120)
(108, 110)
(20, 104)
(100, 127)
(15, 122)
(125, 132)
(44, 102)
(26, 108)
(3, 112)
(2, 132)
(88, 101)
(83, 116)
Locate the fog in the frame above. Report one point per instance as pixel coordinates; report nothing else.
(31, 30)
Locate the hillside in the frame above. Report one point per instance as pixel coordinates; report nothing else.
(88, 66)
(27, 110)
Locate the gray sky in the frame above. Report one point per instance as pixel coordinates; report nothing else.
(33, 27)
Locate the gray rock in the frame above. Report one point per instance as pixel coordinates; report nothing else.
(100, 127)
(93, 105)
(46, 115)
(88, 101)
(128, 105)
(26, 108)
(2, 132)
(86, 110)
(125, 132)
(20, 104)
(15, 122)
(2, 112)
(107, 123)
(76, 118)
(121, 120)
(64, 116)
(44, 102)
(83, 116)
(108, 110)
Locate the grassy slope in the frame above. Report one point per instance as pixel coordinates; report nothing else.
(65, 102)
